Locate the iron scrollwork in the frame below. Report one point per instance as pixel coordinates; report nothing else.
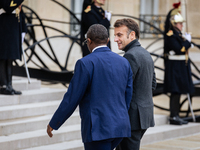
(42, 70)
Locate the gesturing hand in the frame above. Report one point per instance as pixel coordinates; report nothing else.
(49, 130)
(188, 36)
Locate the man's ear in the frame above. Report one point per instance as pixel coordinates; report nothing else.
(132, 35)
(107, 41)
(89, 41)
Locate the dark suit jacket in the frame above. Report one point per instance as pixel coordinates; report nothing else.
(102, 87)
(95, 15)
(10, 31)
(144, 81)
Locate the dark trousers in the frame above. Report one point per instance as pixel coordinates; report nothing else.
(6, 72)
(133, 142)
(174, 104)
(108, 144)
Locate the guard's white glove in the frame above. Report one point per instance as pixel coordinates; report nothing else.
(2, 11)
(108, 15)
(23, 36)
(172, 52)
(188, 36)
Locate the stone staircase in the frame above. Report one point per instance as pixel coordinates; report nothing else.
(23, 121)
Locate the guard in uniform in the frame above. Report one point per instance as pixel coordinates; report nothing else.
(177, 78)
(10, 42)
(93, 14)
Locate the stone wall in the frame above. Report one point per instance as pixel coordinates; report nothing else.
(46, 9)
(190, 12)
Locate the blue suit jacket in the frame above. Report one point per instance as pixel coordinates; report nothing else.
(102, 87)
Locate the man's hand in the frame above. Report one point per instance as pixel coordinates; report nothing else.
(108, 15)
(49, 130)
(188, 36)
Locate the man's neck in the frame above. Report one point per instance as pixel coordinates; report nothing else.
(97, 4)
(99, 46)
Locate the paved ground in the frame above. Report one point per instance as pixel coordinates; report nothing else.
(184, 143)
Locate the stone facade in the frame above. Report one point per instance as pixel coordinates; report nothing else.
(190, 11)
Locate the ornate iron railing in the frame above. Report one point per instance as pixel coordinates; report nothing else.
(147, 31)
(42, 70)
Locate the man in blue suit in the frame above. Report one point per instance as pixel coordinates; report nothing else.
(102, 87)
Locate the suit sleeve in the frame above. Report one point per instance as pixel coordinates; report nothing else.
(176, 43)
(154, 83)
(72, 97)
(129, 88)
(133, 63)
(10, 5)
(22, 21)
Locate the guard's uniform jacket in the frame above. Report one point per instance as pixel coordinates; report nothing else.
(10, 30)
(177, 64)
(92, 15)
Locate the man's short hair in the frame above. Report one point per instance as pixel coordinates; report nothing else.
(130, 24)
(98, 34)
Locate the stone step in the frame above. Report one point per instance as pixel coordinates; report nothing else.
(32, 96)
(21, 84)
(71, 145)
(78, 145)
(160, 119)
(39, 138)
(14, 126)
(166, 132)
(155, 134)
(28, 110)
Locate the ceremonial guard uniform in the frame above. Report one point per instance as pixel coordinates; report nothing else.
(177, 78)
(10, 42)
(92, 14)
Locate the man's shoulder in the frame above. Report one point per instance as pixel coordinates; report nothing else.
(136, 49)
(137, 53)
(90, 9)
(85, 58)
(89, 58)
(102, 53)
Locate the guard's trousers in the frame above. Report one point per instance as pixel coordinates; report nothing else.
(6, 72)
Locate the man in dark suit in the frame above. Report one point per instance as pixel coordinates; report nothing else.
(10, 42)
(102, 87)
(144, 81)
(93, 13)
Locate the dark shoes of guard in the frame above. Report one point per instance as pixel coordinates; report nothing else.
(9, 91)
(176, 120)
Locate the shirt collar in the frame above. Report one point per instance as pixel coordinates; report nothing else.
(131, 44)
(98, 47)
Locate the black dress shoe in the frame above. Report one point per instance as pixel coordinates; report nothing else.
(6, 91)
(17, 92)
(176, 120)
(184, 121)
(14, 91)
